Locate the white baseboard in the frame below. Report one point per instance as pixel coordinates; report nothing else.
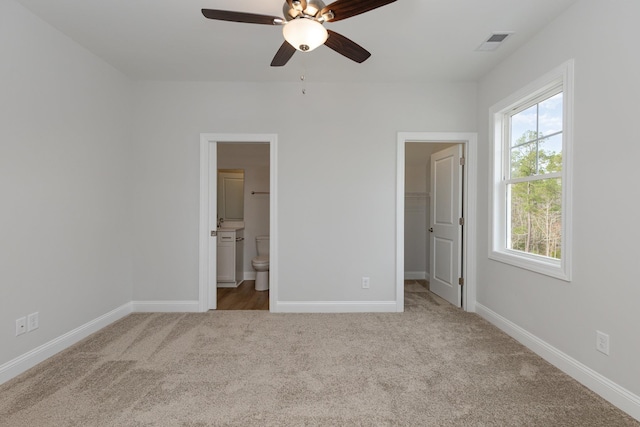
(250, 275)
(416, 275)
(222, 285)
(598, 383)
(30, 359)
(165, 306)
(334, 307)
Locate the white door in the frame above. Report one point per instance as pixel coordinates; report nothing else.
(445, 228)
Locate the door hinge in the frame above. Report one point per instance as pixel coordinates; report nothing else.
(460, 281)
(461, 161)
(213, 233)
(461, 221)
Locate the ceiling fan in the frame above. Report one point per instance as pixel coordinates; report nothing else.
(303, 26)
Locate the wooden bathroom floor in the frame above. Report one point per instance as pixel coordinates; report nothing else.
(244, 297)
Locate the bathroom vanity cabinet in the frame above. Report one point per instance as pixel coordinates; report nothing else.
(229, 264)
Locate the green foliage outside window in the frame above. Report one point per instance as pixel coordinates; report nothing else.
(536, 204)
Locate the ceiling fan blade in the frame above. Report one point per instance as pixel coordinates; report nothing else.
(346, 47)
(249, 18)
(283, 55)
(343, 9)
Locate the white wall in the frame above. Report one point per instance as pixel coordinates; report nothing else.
(254, 160)
(336, 178)
(604, 294)
(64, 178)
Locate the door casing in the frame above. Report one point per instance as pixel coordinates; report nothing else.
(208, 215)
(470, 144)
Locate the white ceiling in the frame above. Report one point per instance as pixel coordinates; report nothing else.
(410, 40)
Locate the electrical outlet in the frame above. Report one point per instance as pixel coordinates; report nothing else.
(365, 283)
(33, 321)
(21, 326)
(602, 342)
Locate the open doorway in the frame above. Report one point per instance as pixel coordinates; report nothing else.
(414, 211)
(257, 192)
(417, 197)
(243, 220)
(433, 235)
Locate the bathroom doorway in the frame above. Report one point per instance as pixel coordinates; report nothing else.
(413, 203)
(243, 209)
(255, 156)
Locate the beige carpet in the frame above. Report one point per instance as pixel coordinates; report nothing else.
(430, 366)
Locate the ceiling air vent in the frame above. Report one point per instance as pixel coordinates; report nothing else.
(493, 42)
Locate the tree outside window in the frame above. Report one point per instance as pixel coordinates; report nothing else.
(534, 184)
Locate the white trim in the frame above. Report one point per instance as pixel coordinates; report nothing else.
(336, 307)
(400, 178)
(598, 383)
(165, 306)
(415, 275)
(31, 358)
(470, 142)
(497, 230)
(203, 230)
(249, 275)
(273, 223)
(208, 145)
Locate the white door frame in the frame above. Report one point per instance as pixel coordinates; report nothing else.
(469, 140)
(208, 168)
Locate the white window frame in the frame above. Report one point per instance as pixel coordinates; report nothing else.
(498, 215)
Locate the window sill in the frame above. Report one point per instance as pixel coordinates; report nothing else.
(542, 265)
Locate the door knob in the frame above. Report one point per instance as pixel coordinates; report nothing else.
(431, 230)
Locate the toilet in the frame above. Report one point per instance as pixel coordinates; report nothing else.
(261, 263)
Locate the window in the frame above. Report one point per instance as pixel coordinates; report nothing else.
(531, 191)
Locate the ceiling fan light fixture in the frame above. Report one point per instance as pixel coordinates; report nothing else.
(305, 34)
